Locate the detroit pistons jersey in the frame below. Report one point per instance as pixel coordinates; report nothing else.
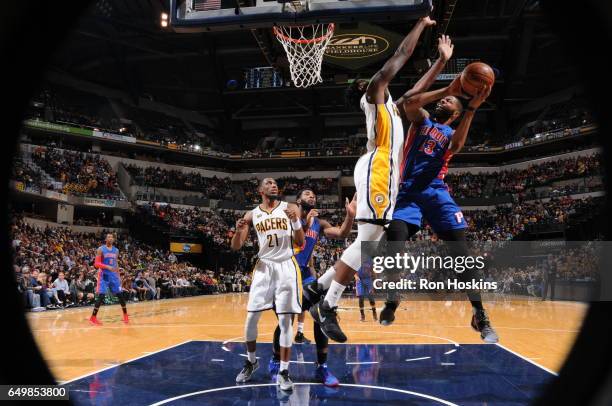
(109, 255)
(304, 253)
(426, 156)
(377, 171)
(274, 233)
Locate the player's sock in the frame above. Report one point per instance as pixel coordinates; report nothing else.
(99, 302)
(252, 357)
(276, 344)
(122, 303)
(300, 327)
(284, 365)
(333, 294)
(361, 309)
(373, 305)
(327, 278)
(321, 356)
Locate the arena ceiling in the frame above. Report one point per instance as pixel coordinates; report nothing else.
(120, 45)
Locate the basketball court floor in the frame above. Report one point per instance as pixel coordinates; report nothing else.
(189, 350)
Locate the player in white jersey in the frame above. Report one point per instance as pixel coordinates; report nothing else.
(376, 180)
(276, 282)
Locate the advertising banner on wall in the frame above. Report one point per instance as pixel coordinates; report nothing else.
(361, 46)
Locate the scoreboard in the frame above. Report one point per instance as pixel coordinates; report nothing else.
(454, 67)
(262, 78)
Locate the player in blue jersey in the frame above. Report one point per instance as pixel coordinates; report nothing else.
(313, 228)
(107, 256)
(429, 146)
(364, 288)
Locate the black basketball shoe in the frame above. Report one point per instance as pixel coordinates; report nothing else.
(387, 314)
(247, 371)
(300, 338)
(481, 323)
(327, 319)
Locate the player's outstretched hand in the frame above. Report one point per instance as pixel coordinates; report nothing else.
(480, 97)
(351, 207)
(428, 21)
(311, 214)
(241, 224)
(445, 47)
(291, 213)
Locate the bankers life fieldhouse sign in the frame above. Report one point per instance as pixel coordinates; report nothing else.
(361, 46)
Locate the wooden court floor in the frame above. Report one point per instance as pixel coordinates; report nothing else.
(542, 332)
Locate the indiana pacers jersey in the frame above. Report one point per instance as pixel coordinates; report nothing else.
(377, 171)
(274, 233)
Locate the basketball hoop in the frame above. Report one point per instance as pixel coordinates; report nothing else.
(305, 46)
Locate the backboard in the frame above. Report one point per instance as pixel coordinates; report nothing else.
(219, 15)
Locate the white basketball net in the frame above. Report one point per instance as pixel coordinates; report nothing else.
(305, 46)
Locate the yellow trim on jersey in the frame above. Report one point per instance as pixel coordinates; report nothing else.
(269, 212)
(380, 167)
(299, 279)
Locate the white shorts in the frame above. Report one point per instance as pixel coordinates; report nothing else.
(376, 183)
(276, 285)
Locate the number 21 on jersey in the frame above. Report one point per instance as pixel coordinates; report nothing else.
(272, 240)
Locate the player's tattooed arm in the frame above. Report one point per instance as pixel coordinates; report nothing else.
(294, 213)
(375, 93)
(413, 105)
(242, 231)
(345, 229)
(461, 132)
(445, 48)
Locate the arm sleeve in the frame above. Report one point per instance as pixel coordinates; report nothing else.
(98, 263)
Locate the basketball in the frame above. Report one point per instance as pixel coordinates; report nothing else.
(475, 76)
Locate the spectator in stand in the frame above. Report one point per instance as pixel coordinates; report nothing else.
(62, 290)
(152, 281)
(39, 288)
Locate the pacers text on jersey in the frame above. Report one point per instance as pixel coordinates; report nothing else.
(276, 223)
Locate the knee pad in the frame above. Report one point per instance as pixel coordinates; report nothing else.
(285, 323)
(250, 326)
(365, 233)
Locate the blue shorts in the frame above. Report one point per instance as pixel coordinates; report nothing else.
(364, 287)
(435, 204)
(108, 280)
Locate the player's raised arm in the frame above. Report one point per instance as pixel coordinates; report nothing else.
(242, 231)
(413, 105)
(461, 132)
(376, 89)
(445, 49)
(294, 213)
(345, 229)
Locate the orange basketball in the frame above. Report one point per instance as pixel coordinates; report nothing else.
(475, 76)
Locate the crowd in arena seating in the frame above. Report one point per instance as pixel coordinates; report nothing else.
(518, 181)
(26, 174)
(213, 187)
(80, 173)
(289, 187)
(44, 255)
(44, 258)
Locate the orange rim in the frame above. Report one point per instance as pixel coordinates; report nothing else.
(279, 33)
